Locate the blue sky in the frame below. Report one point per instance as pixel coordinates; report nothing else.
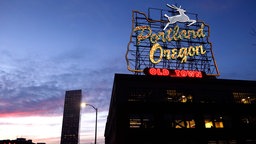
(50, 46)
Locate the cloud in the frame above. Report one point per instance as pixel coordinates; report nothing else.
(38, 87)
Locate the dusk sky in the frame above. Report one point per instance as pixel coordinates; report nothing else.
(50, 46)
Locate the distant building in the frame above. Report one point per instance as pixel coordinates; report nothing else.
(71, 117)
(18, 141)
(153, 110)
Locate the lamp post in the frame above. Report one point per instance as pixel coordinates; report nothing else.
(96, 110)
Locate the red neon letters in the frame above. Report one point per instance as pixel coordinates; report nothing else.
(174, 73)
(159, 72)
(188, 73)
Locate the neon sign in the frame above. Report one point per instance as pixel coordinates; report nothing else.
(145, 32)
(173, 73)
(174, 42)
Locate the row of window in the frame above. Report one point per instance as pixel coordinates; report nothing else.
(245, 98)
(246, 141)
(178, 96)
(148, 121)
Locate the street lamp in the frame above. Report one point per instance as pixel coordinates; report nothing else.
(86, 104)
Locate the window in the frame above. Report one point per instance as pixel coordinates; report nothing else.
(213, 122)
(141, 121)
(180, 121)
(212, 96)
(222, 142)
(244, 97)
(184, 124)
(135, 123)
(248, 121)
(178, 96)
(139, 94)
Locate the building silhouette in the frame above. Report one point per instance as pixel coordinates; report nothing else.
(19, 141)
(71, 117)
(155, 109)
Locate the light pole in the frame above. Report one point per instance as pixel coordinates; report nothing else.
(86, 104)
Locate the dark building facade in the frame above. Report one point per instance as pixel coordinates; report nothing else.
(154, 109)
(71, 117)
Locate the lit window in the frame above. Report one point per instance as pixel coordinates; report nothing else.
(135, 123)
(183, 99)
(189, 123)
(218, 124)
(214, 122)
(244, 97)
(179, 124)
(208, 124)
(189, 97)
(246, 100)
(178, 96)
(141, 121)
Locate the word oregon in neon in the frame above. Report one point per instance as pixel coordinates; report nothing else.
(175, 53)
